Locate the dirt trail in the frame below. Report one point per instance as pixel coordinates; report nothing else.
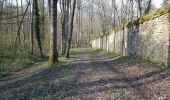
(89, 77)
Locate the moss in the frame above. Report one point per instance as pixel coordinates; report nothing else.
(119, 28)
(134, 23)
(143, 19)
(162, 11)
(154, 14)
(52, 61)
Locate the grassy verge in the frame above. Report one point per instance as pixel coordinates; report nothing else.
(129, 60)
(74, 55)
(10, 62)
(139, 61)
(106, 53)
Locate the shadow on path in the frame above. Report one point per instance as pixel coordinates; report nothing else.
(64, 81)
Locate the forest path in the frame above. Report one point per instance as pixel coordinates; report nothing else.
(89, 76)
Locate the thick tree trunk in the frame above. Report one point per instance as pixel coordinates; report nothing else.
(53, 41)
(37, 26)
(64, 10)
(42, 17)
(64, 26)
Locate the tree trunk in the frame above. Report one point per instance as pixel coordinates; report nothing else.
(131, 9)
(63, 35)
(114, 14)
(32, 31)
(37, 26)
(71, 30)
(53, 41)
(1, 11)
(42, 17)
(148, 6)
(20, 25)
(18, 32)
(139, 8)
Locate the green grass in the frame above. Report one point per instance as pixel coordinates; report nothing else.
(115, 91)
(138, 61)
(16, 63)
(129, 60)
(98, 50)
(106, 53)
(10, 62)
(74, 55)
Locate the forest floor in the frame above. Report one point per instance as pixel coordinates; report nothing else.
(87, 75)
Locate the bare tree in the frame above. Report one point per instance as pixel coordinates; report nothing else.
(71, 29)
(53, 43)
(139, 7)
(64, 6)
(148, 6)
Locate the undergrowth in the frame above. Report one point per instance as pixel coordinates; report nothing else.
(10, 61)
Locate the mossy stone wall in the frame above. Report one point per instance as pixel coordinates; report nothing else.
(149, 39)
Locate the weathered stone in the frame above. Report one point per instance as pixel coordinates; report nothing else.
(149, 40)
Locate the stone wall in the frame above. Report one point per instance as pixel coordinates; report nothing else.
(149, 40)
